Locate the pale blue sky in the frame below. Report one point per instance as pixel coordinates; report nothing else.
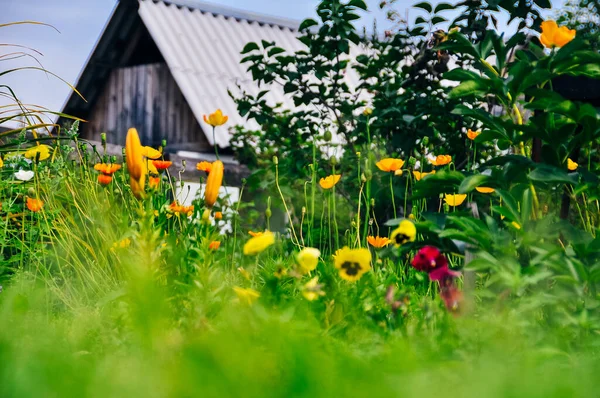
(80, 22)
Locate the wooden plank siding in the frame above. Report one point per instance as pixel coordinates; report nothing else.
(145, 97)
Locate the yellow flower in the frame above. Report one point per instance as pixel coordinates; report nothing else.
(312, 289)
(378, 241)
(122, 244)
(485, 190)
(329, 181)
(441, 160)
(213, 183)
(406, 232)
(571, 165)
(150, 167)
(135, 163)
(421, 174)
(150, 152)
(204, 166)
(307, 259)
(553, 36)
(42, 150)
(398, 173)
(257, 244)
(246, 296)
(352, 263)
(516, 225)
(472, 134)
(368, 111)
(390, 164)
(1, 163)
(216, 119)
(455, 200)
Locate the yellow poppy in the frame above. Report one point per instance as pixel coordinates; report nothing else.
(258, 244)
(441, 160)
(421, 174)
(107, 169)
(329, 181)
(1, 162)
(406, 232)
(255, 234)
(307, 259)
(472, 134)
(213, 183)
(554, 36)
(216, 119)
(455, 200)
(135, 163)
(378, 241)
(42, 150)
(571, 165)
(390, 164)
(246, 296)
(312, 290)
(485, 189)
(150, 153)
(352, 263)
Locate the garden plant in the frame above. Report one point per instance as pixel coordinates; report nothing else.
(439, 187)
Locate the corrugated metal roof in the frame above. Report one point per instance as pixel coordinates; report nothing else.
(201, 44)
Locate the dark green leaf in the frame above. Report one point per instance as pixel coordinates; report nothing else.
(307, 23)
(469, 87)
(424, 6)
(472, 182)
(437, 20)
(442, 7)
(250, 47)
(550, 174)
(358, 4)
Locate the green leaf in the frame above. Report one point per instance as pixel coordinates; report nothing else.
(551, 174)
(469, 87)
(420, 20)
(307, 23)
(250, 47)
(551, 101)
(443, 7)
(461, 75)
(436, 20)
(274, 51)
(358, 4)
(439, 183)
(472, 182)
(509, 206)
(424, 6)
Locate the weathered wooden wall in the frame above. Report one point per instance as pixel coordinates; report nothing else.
(145, 97)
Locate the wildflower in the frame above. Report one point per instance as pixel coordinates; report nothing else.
(162, 164)
(255, 234)
(213, 183)
(378, 241)
(107, 169)
(553, 36)
(42, 150)
(153, 182)
(179, 209)
(571, 165)
(216, 119)
(429, 258)
(218, 215)
(329, 181)
(257, 244)
(246, 296)
(135, 165)
(421, 174)
(204, 166)
(440, 160)
(368, 111)
(122, 244)
(516, 225)
(307, 259)
(472, 134)
(455, 200)
(485, 190)
(24, 175)
(150, 153)
(390, 164)
(34, 205)
(1, 163)
(214, 245)
(312, 289)
(352, 263)
(406, 232)
(150, 167)
(398, 173)
(104, 179)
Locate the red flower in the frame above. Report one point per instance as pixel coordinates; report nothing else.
(162, 164)
(428, 259)
(104, 179)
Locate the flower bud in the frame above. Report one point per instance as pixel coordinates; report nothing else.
(268, 213)
(368, 174)
(103, 139)
(425, 141)
(275, 160)
(372, 202)
(368, 112)
(31, 192)
(412, 161)
(163, 143)
(327, 136)
(206, 215)
(363, 178)
(333, 160)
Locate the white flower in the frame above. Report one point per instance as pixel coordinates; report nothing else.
(24, 175)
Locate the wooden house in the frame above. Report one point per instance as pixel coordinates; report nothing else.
(161, 65)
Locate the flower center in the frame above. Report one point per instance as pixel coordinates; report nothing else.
(402, 239)
(351, 268)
